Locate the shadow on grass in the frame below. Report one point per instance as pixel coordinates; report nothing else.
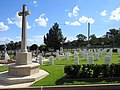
(66, 81)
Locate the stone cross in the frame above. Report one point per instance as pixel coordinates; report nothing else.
(24, 13)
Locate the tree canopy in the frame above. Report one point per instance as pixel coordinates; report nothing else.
(54, 38)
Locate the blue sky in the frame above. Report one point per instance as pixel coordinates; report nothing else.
(71, 15)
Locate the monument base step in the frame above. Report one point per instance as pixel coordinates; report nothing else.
(7, 79)
(23, 70)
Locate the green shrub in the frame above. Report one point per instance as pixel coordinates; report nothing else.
(97, 69)
(72, 70)
(85, 71)
(92, 71)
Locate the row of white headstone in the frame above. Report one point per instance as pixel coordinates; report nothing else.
(87, 56)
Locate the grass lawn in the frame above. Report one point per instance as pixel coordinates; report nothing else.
(3, 68)
(56, 72)
(56, 76)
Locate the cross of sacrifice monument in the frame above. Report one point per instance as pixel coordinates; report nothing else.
(23, 65)
(24, 13)
(23, 70)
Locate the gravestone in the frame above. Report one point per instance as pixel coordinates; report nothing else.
(61, 50)
(107, 59)
(85, 56)
(75, 54)
(118, 52)
(57, 55)
(23, 65)
(66, 56)
(76, 60)
(91, 59)
(5, 55)
(100, 53)
(97, 56)
(51, 59)
(110, 53)
(41, 59)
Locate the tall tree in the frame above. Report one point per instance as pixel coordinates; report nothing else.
(34, 47)
(54, 39)
(81, 37)
(81, 40)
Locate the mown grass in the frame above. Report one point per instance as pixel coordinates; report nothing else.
(3, 68)
(56, 72)
(114, 59)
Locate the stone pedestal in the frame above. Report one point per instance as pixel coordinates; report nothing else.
(23, 70)
(24, 65)
(23, 58)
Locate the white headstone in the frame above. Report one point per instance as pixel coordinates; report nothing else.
(118, 52)
(75, 54)
(97, 56)
(91, 59)
(76, 60)
(57, 56)
(100, 53)
(86, 56)
(51, 59)
(6, 56)
(107, 59)
(66, 57)
(41, 59)
(61, 49)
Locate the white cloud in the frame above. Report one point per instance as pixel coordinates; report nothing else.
(103, 13)
(115, 14)
(80, 21)
(41, 21)
(70, 38)
(69, 14)
(17, 20)
(91, 20)
(9, 21)
(83, 19)
(35, 3)
(4, 40)
(3, 27)
(67, 23)
(35, 40)
(74, 12)
(74, 23)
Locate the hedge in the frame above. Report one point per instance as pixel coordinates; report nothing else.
(92, 71)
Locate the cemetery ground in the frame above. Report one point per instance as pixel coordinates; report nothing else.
(56, 71)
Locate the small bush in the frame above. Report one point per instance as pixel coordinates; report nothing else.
(92, 71)
(72, 70)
